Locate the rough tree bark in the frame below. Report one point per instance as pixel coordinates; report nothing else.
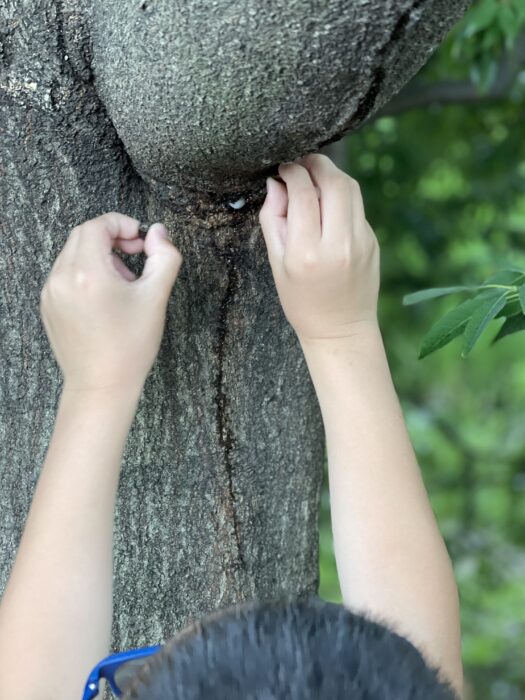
(166, 112)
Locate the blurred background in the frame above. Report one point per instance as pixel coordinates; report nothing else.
(442, 171)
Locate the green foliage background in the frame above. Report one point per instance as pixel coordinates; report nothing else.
(444, 190)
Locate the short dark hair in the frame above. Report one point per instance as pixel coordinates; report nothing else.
(309, 650)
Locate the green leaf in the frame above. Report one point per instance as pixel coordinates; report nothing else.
(483, 314)
(481, 16)
(483, 73)
(511, 308)
(508, 21)
(425, 294)
(511, 325)
(519, 9)
(521, 293)
(511, 275)
(448, 327)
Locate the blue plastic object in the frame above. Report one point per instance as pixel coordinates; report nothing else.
(109, 666)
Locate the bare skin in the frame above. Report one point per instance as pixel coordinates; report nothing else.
(391, 558)
(105, 328)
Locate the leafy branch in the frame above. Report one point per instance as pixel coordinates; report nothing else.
(500, 296)
(491, 41)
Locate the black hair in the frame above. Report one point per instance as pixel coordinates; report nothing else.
(309, 650)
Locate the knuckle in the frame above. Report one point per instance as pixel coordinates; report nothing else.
(370, 238)
(342, 258)
(302, 263)
(345, 183)
(81, 279)
(341, 182)
(309, 259)
(111, 219)
(290, 267)
(369, 252)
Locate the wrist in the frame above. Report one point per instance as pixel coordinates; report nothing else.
(115, 396)
(131, 389)
(360, 334)
(330, 360)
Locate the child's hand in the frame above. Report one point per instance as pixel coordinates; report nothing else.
(323, 253)
(105, 325)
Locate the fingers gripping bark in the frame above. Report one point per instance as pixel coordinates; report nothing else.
(323, 253)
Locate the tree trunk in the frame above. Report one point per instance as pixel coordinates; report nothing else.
(166, 112)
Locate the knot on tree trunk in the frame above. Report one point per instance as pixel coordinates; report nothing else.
(210, 96)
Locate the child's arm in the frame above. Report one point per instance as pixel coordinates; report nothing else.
(56, 613)
(105, 327)
(391, 559)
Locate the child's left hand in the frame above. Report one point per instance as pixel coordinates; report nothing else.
(105, 325)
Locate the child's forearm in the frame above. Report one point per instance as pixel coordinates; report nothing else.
(391, 558)
(56, 613)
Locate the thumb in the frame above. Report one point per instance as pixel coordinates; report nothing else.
(163, 259)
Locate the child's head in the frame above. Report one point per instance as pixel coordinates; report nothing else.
(299, 651)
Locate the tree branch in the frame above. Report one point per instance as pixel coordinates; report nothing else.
(415, 96)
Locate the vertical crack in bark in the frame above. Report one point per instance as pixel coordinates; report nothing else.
(367, 103)
(225, 433)
(60, 38)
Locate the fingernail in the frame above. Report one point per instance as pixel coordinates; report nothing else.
(161, 229)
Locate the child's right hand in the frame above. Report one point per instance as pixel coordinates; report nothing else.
(323, 253)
